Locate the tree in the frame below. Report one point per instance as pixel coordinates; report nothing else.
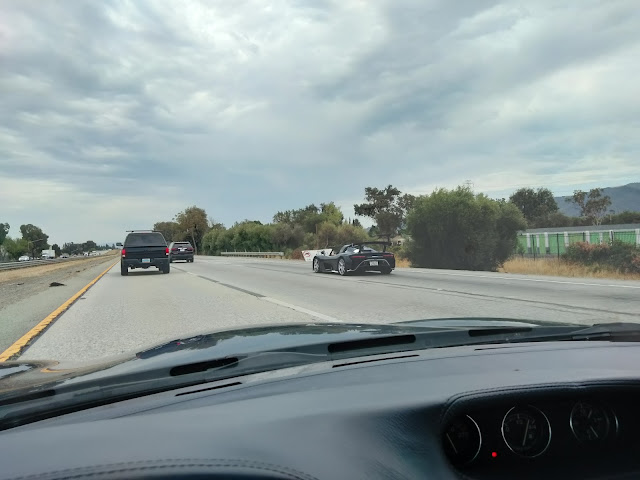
(306, 217)
(251, 237)
(535, 205)
(15, 248)
(215, 241)
(169, 230)
(56, 249)
(356, 223)
(283, 217)
(330, 213)
(327, 234)
(311, 216)
(214, 224)
(4, 231)
(593, 205)
(72, 248)
(387, 207)
(89, 245)
(350, 233)
(330, 234)
(459, 230)
(193, 224)
(285, 235)
(35, 237)
(559, 219)
(622, 217)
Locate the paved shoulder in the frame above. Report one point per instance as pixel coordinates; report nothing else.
(27, 297)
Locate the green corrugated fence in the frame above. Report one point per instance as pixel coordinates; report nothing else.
(555, 243)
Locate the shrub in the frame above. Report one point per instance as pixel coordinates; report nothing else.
(399, 251)
(623, 257)
(459, 230)
(296, 255)
(587, 253)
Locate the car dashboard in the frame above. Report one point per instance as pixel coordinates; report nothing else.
(560, 431)
(537, 410)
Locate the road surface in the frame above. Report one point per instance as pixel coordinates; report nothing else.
(26, 295)
(124, 314)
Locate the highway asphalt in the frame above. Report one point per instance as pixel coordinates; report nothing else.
(124, 314)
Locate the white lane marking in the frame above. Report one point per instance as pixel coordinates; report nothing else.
(520, 279)
(321, 316)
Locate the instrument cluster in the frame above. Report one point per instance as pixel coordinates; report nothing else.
(581, 430)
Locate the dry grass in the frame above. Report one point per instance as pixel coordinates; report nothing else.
(556, 267)
(21, 273)
(402, 262)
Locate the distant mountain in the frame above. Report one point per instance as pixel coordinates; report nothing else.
(626, 197)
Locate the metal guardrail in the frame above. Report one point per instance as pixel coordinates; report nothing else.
(35, 263)
(253, 254)
(30, 263)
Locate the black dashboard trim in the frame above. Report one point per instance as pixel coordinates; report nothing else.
(459, 403)
(175, 466)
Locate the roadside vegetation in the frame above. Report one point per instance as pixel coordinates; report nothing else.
(450, 229)
(33, 240)
(561, 268)
(618, 256)
(541, 210)
(608, 260)
(457, 229)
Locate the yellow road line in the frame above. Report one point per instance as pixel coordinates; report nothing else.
(23, 341)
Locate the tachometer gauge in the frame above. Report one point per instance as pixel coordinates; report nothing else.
(462, 440)
(589, 422)
(526, 431)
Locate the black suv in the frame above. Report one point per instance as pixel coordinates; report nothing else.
(144, 249)
(180, 251)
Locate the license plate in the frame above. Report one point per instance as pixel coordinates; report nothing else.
(182, 249)
(373, 263)
(146, 260)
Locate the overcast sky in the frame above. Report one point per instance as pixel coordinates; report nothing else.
(118, 114)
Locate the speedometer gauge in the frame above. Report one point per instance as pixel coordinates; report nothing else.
(526, 431)
(462, 440)
(589, 422)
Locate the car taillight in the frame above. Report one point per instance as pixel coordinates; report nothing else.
(357, 257)
(189, 249)
(387, 255)
(166, 251)
(174, 249)
(124, 252)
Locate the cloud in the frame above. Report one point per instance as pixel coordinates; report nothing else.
(118, 114)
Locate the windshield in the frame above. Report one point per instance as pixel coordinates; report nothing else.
(145, 239)
(176, 169)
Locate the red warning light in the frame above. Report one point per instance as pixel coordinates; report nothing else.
(494, 454)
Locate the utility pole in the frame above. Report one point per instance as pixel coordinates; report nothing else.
(33, 248)
(195, 246)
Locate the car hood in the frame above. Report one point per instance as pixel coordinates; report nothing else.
(19, 375)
